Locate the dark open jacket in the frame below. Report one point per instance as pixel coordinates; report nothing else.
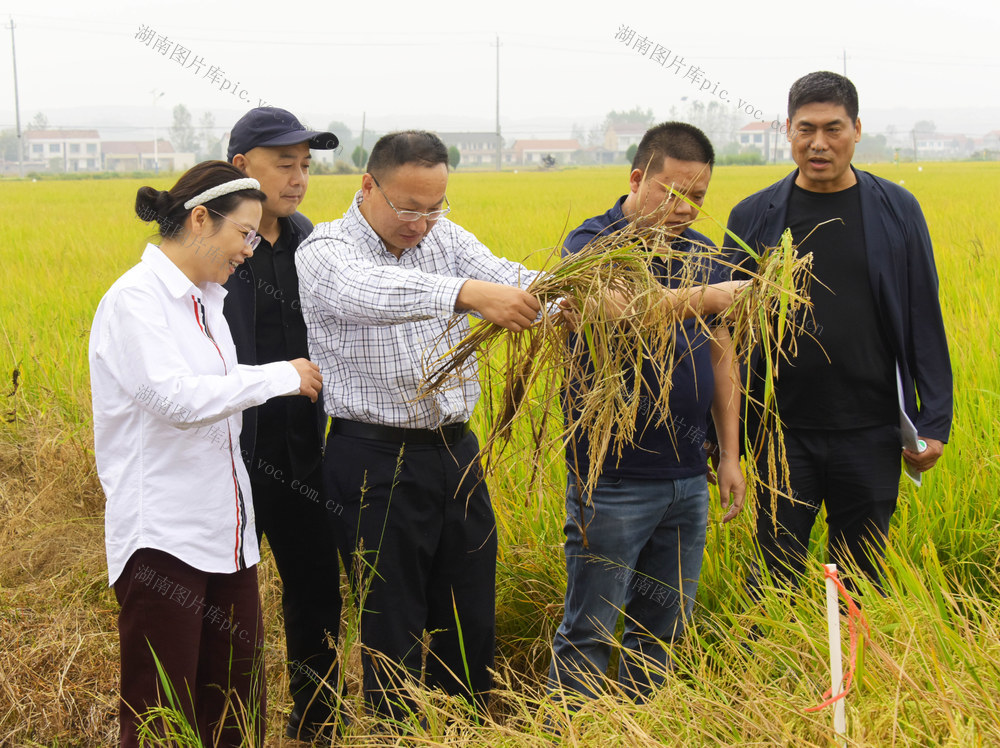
(239, 308)
(903, 281)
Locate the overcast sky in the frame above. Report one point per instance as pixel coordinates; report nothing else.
(433, 64)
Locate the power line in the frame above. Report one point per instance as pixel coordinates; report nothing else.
(466, 39)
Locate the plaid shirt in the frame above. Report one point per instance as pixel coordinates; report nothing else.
(377, 324)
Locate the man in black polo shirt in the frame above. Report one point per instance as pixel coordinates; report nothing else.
(876, 322)
(282, 442)
(646, 519)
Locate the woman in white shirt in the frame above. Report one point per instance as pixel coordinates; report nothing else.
(168, 395)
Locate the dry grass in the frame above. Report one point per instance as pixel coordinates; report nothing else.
(58, 646)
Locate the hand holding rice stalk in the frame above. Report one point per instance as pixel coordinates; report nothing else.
(623, 316)
(766, 319)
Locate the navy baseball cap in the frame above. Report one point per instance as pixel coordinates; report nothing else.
(269, 125)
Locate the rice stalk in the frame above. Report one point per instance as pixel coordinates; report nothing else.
(606, 313)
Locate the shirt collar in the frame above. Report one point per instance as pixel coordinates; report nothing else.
(288, 234)
(617, 214)
(173, 278)
(357, 225)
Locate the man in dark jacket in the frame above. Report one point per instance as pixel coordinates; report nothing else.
(875, 355)
(282, 444)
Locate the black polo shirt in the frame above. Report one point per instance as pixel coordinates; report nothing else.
(280, 333)
(265, 317)
(661, 451)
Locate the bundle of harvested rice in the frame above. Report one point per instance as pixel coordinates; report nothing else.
(607, 302)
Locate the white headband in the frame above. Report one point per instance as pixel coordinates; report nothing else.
(219, 190)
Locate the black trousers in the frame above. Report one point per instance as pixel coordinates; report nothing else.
(293, 515)
(425, 543)
(856, 474)
(206, 632)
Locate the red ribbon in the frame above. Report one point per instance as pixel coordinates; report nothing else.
(854, 617)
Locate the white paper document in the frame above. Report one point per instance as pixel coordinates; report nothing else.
(908, 433)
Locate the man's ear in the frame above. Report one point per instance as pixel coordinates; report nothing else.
(367, 185)
(635, 180)
(240, 162)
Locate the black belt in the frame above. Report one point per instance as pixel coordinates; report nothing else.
(450, 434)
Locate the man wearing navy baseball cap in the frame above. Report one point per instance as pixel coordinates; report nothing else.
(282, 446)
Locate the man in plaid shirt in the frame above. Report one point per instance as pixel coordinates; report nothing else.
(379, 288)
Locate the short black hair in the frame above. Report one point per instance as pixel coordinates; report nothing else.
(406, 147)
(674, 139)
(826, 88)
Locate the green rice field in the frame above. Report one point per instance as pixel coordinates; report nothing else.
(928, 675)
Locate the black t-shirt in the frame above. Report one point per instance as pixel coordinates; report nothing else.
(843, 376)
(280, 336)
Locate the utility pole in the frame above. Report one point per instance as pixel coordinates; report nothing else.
(363, 115)
(156, 142)
(845, 62)
(17, 105)
(499, 138)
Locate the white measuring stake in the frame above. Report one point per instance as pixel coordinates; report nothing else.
(836, 667)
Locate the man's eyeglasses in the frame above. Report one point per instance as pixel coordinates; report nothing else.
(414, 215)
(251, 239)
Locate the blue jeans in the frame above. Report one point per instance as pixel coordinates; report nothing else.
(645, 542)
